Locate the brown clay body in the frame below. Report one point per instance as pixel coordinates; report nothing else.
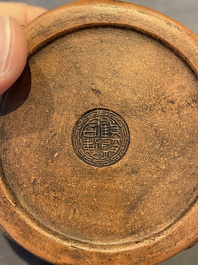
(99, 137)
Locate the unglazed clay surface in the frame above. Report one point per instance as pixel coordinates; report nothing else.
(99, 138)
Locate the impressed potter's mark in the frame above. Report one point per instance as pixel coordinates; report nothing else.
(100, 137)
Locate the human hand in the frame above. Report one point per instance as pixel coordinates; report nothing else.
(13, 44)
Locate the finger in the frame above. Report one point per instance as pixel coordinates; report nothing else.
(13, 52)
(22, 12)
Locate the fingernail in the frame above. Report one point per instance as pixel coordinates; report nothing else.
(5, 34)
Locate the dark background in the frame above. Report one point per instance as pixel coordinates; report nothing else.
(184, 11)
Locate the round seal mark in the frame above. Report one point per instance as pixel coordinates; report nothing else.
(100, 137)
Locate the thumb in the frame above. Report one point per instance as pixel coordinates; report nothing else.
(13, 52)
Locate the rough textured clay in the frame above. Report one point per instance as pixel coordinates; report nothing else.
(99, 137)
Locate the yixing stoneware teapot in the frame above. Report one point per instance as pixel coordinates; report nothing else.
(99, 137)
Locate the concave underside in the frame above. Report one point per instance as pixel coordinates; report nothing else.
(152, 89)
